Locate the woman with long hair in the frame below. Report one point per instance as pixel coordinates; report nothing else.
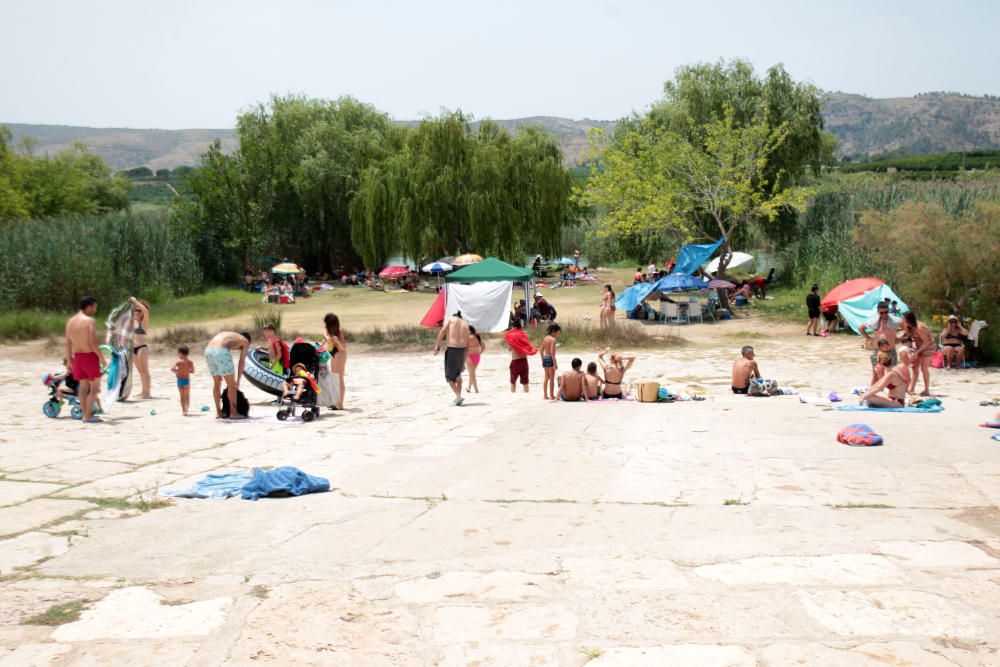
(336, 345)
(607, 307)
(474, 352)
(922, 341)
(893, 383)
(614, 372)
(140, 350)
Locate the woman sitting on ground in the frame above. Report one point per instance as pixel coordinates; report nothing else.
(614, 373)
(893, 383)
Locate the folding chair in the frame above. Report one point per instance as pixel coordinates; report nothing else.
(694, 310)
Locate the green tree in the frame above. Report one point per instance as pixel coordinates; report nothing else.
(654, 180)
(703, 93)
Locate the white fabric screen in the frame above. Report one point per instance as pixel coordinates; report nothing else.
(485, 306)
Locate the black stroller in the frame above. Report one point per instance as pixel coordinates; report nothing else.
(305, 354)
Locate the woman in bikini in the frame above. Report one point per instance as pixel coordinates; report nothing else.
(894, 383)
(920, 337)
(475, 350)
(614, 373)
(336, 345)
(952, 343)
(607, 307)
(140, 350)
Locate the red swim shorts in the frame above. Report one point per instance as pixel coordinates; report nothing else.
(86, 366)
(519, 369)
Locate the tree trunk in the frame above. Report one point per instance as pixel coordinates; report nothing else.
(724, 259)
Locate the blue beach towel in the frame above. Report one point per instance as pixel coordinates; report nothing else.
(862, 408)
(285, 480)
(220, 485)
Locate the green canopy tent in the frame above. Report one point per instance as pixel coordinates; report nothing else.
(493, 270)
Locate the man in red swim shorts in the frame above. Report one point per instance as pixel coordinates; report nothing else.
(83, 354)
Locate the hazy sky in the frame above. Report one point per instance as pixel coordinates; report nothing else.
(180, 64)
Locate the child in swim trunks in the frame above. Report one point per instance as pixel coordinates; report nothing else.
(183, 368)
(549, 364)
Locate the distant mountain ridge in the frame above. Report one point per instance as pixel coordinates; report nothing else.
(926, 123)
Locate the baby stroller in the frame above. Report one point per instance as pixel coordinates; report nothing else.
(53, 406)
(305, 354)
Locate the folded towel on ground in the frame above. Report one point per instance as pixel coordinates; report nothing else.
(285, 480)
(859, 435)
(859, 408)
(215, 485)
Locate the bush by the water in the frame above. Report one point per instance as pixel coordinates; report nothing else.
(49, 264)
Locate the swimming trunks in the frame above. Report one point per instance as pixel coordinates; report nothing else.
(219, 361)
(183, 382)
(547, 361)
(737, 390)
(474, 358)
(519, 371)
(86, 366)
(454, 363)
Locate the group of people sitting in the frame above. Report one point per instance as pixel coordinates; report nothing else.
(541, 310)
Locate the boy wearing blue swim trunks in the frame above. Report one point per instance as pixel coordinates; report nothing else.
(183, 369)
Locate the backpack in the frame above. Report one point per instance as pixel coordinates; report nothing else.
(242, 404)
(763, 388)
(286, 359)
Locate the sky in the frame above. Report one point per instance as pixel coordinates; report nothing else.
(187, 64)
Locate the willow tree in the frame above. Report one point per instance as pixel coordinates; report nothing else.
(452, 189)
(656, 180)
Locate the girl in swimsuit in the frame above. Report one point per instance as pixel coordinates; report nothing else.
(920, 335)
(474, 352)
(607, 307)
(614, 373)
(336, 345)
(140, 350)
(894, 383)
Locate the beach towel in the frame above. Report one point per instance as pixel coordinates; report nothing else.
(518, 341)
(993, 423)
(922, 411)
(859, 435)
(283, 481)
(215, 485)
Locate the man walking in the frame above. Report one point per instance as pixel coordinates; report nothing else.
(456, 331)
(83, 356)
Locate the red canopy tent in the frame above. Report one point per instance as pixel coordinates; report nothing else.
(435, 316)
(849, 290)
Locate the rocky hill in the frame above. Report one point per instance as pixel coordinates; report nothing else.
(926, 123)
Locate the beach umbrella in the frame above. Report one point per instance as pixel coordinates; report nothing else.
(466, 260)
(718, 283)
(676, 282)
(437, 267)
(286, 268)
(857, 300)
(739, 260)
(393, 272)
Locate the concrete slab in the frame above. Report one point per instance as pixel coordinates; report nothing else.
(13, 493)
(28, 549)
(36, 513)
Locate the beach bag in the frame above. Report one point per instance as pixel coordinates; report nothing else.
(647, 392)
(329, 384)
(937, 361)
(242, 404)
(763, 388)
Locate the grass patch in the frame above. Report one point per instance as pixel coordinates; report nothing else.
(59, 614)
(788, 305)
(735, 501)
(213, 304)
(145, 501)
(260, 591)
(185, 334)
(263, 317)
(864, 506)
(592, 653)
(577, 334)
(399, 336)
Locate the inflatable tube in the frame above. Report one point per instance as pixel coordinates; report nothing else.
(257, 369)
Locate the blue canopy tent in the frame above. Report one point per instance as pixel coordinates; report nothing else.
(692, 256)
(675, 282)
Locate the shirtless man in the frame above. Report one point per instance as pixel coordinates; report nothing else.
(83, 356)
(571, 383)
(219, 359)
(744, 370)
(456, 331)
(883, 327)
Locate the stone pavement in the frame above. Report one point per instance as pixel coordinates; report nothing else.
(733, 531)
